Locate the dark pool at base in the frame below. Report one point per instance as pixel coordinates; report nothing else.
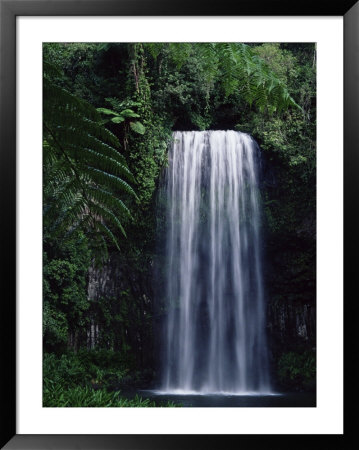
(280, 400)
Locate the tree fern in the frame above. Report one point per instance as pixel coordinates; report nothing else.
(84, 173)
(236, 68)
(239, 68)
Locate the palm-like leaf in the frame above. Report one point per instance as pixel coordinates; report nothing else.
(236, 68)
(84, 173)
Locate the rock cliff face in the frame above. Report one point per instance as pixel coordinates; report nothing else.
(289, 227)
(291, 325)
(107, 281)
(291, 332)
(291, 300)
(102, 283)
(121, 300)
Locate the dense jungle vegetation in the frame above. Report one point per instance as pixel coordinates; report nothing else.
(108, 114)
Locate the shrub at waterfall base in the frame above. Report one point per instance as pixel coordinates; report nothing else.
(87, 379)
(297, 370)
(57, 396)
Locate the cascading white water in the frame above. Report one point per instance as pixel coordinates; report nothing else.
(215, 327)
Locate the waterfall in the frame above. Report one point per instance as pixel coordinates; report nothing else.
(214, 339)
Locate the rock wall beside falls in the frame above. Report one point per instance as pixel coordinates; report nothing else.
(290, 267)
(120, 294)
(291, 326)
(106, 281)
(103, 283)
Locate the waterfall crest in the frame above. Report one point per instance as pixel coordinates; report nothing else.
(215, 312)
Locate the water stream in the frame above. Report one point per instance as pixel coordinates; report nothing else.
(214, 334)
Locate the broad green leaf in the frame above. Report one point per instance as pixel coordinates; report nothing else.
(119, 119)
(129, 113)
(107, 111)
(138, 127)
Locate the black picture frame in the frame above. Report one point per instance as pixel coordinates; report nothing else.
(9, 10)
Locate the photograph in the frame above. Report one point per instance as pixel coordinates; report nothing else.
(179, 238)
(179, 198)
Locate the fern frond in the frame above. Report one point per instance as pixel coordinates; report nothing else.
(107, 198)
(101, 227)
(103, 162)
(107, 179)
(107, 215)
(83, 168)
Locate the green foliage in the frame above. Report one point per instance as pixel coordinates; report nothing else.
(120, 117)
(55, 326)
(147, 150)
(85, 368)
(66, 370)
(65, 267)
(288, 142)
(84, 380)
(232, 67)
(57, 396)
(83, 170)
(116, 317)
(297, 370)
(280, 61)
(138, 127)
(241, 69)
